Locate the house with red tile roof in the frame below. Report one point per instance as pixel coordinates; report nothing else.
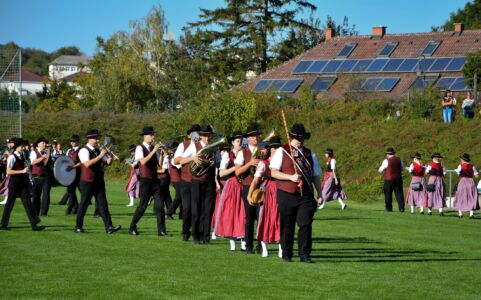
(390, 65)
(31, 82)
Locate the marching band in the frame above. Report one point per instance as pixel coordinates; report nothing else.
(234, 186)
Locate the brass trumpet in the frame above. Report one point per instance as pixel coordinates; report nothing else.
(163, 149)
(108, 148)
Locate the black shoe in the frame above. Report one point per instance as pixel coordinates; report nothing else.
(79, 230)
(133, 232)
(471, 217)
(421, 213)
(286, 259)
(441, 214)
(74, 212)
(430, 213)
(5, 228)
(38, 228)
(259, 249)
(185, 237)
(113, 229)
(169, 217)
(207, 243)
(412, 213)
(196, 242)
(250, 251)
(163, 233)
(388, 210)
(401, 210)
(62, 203)
(306, 260)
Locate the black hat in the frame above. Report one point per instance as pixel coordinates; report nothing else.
(11, 139)
(147, 130)
(205, 130)
(329, 151)
(390, 150)
(74, 138)
(92, 134)
(132, 148)
(416, 155)
(194, 127)
(274, 142)
(235, 135)
(262, 145)
(41, 139)
(253, 130)
(465, 157)
(172, 145)
(18, 142)
(298, 132)
(437, 155)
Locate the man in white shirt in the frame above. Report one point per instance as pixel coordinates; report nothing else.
(92, 183)
(202, 188)
(295, 192)
(17, 169)
(40, 160)
(392, 168)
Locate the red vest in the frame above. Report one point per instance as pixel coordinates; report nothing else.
(174, 174)
(418, 170)
(94, 172)
(288, 168)
(436, 169)
(73, 154)
(466, 170)
(204, 177)
(394, 168)
(39, 169)
(247, 174)
(185, 169)
(149, 170)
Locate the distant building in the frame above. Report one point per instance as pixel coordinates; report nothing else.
(31, 83)
(390, 65)
(67, 65)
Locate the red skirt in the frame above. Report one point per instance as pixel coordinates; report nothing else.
(216, 207)
(269, 228)
(230, 218)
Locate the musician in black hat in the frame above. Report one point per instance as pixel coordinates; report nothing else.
(17, 169)
(40, 160)
(202, 187)
(392, 167)
(174, 172)
(146, 155)
(185, 180)
(70, 195)
(246, 162)
(92, 183)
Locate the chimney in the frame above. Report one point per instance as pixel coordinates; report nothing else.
(458, 28)
(330, 33)
(378, 31)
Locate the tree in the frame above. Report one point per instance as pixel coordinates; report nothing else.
(58, 95)
(472, 68)
(470, 16)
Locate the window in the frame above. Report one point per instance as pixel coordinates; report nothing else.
(347, 50)
(430, 48)
(322, 84)
(388, 49)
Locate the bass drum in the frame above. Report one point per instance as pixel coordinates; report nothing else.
(61, 171)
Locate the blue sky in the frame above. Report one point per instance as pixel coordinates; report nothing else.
(51, 24)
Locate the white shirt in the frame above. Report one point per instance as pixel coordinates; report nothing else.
(192, 150)
(458, 170)
(468, 102)
(166, 162)
(260, 169)
(84, 154)
(276, 161)
(33, 154)
(11, 160)
(239, 159)
(178, 153)
(333, 164)
(384, 165)
(139, 152)
(224, 162)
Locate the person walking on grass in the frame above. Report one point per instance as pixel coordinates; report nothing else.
(416, 189)
(392, 167)
(331, 185)
(466, 193)
(435, 186)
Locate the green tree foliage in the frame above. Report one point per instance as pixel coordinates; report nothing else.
(58, 96)
(472, 67)
(470, 16)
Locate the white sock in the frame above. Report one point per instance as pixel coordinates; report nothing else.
(341, 202)
(440, 210)
(243, 245)
(421, 209)
(131, 201)
(232, 245)
(471, 213)
(429, 210)
(214, 236)
(265, 253)
(412, 209)
(280, 251)
(460, 213)
(322, 205)
(4, 201)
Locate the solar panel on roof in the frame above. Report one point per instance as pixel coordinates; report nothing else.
(332, 66)
(370, 84)
(459, 85)
(408, 65)
(362, 65)
(276, 85)
(456, 64)
(388, 49)
(291, 85)
(317, 66)
(430, 48)
(322, 84)
(445, 83)
(377, 65)
(347, 50)
(393, 64)
(425, 64)
(262, 85)
(440, 64)
(302, 66)
(347, 65)
(387, 84)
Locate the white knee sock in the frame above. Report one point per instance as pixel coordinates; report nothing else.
(131, 201)
(471, 213)
(341, 202)
(243, 245)
(265, 253)
(460, 213)
(440, 210)
(232, 245)
(412, 209)
(280, 251)
(421, 209)
(429, 210)
(4, 201)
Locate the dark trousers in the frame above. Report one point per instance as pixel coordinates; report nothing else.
(41, 189)
(165, 192)
(177, 202)
(296, 208)
(203, 201)
(72, 204)
(150, 188)
(18, 187)
(93, 189)
(251, 217)
(186, 208)
(397, 187)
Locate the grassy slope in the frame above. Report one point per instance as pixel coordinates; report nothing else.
(361, 252)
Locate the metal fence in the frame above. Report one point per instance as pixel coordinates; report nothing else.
(10, 94)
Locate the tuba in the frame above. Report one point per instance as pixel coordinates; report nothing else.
(207, 156)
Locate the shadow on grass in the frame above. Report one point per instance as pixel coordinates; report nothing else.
(347, 240)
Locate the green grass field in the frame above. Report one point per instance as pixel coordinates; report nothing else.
(362, 252)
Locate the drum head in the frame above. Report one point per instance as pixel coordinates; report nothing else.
(62, 175)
